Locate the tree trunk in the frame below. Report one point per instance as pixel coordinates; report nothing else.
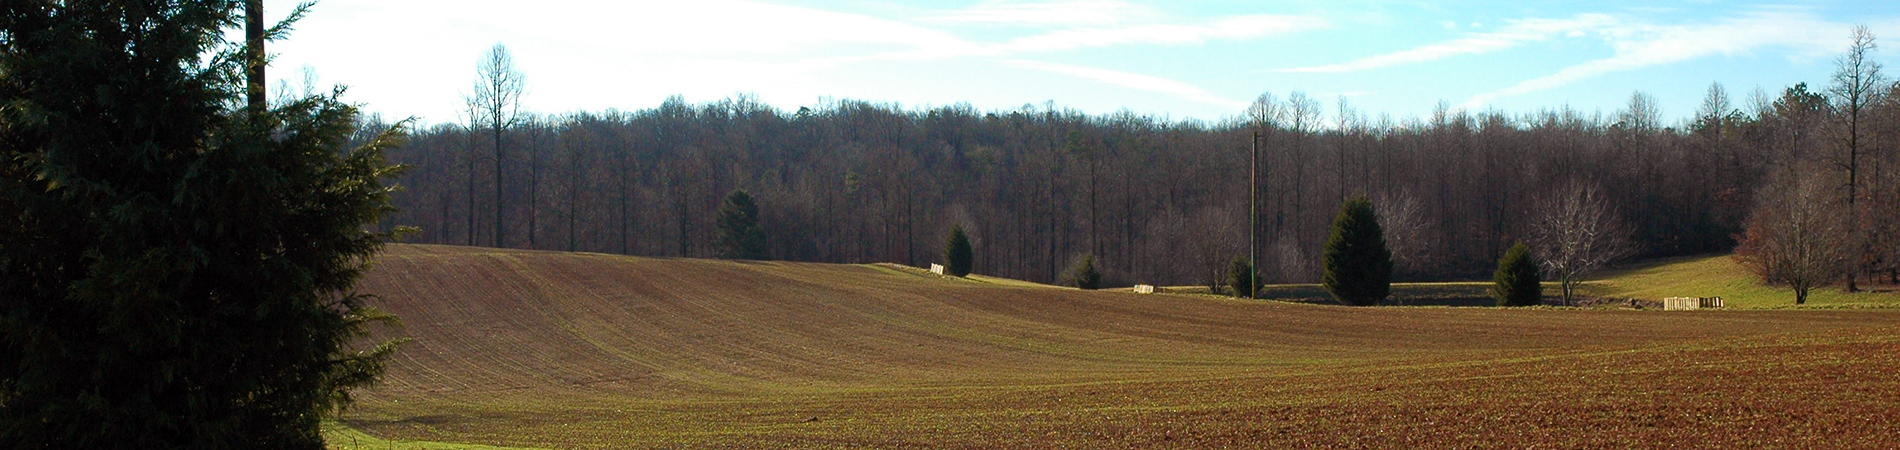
(255, 58)
(500, 242)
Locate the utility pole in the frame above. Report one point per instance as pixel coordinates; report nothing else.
(254, 50)
(1253, 216)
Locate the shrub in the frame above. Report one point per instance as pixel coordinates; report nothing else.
(1082, 273)
(956, 252)
(1516, 282)
(1358, 266)
(1241, 281)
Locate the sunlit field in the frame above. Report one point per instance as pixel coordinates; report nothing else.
(558, 350)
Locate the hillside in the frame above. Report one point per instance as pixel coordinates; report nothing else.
(1721, 276)
(560, 350)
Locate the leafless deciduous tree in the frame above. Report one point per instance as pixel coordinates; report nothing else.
(1403, 221)
(1575, 232)
(495, 106)
(1857, 86)
(1793, 238)
(1643, 115)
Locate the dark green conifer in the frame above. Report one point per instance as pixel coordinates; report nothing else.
(740, 234)
(176, 263)
(1358, 266)
(1082, 273)
(1241, 280)
(957, 253)
(1516, 282)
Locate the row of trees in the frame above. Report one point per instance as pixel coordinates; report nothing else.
(1824, 217)
(1151, 199)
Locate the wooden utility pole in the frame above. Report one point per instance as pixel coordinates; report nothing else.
(254, 61)
(1253, 216)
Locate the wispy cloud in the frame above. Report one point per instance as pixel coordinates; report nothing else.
(1060, 13)
(1130, 80)
(1514, 34)
(1639, 46)
(1231, 28)
(925, 44)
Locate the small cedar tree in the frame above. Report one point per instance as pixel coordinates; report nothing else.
(1516, 282)
(1358, 266)
(1241, 281)
(740, 234)
(1082, 273)
(957, 253)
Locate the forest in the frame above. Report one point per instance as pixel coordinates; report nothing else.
(1154, 200)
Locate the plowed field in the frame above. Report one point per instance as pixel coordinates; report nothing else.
(563, 350)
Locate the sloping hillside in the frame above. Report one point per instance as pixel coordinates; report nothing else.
(562, 350)
(1721, 276)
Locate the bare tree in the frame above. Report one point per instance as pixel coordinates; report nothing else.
(1303, 116)
(1857, 86)
(1266, 115)
(1792, 236)
(1575, 232)
(1210, 234)
(1642, 115)
(1403, 220)
(495, 106)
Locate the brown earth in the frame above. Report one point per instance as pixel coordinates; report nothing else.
(566, 350)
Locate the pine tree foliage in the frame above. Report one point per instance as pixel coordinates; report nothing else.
(741, 236)
(957, 254)
(1241, 279)
(1358, 266)
(1082, 273)
(176, 270)
(1516, 282)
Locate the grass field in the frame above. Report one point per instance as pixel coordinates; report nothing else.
(1721, 276)
(555, 350)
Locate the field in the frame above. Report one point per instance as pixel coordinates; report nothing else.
(1721, 276)
(557, 350)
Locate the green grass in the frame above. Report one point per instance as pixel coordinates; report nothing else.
(1721, 276)
(337, 436)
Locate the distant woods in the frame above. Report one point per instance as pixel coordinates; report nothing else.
(1153, 200)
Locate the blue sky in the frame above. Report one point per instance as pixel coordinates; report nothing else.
(1180, 60)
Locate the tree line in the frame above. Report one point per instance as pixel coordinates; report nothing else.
(1151, 200)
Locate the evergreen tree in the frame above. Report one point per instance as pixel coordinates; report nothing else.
(176, 267)
(740, 234)
(1082, 273)
(956, 252)
(1358, 266)
(1240, 278)
(1516, 282)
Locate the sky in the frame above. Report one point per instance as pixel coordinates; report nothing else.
(1175, 60)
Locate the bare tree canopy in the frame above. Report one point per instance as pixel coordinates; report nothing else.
(1793, 236)
(1575, 232)
(495, 105)
(1857, 85)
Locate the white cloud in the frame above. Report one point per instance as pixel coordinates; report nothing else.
(1059, 13)
(1231, 28)
(417, 57)
(1643, 45)
(1518, 32)
(1132, 81)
